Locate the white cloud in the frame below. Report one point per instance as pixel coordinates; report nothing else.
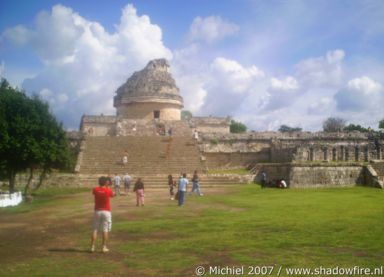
(83, 63)
(281, 93)
(321, 107)
(321, 71)
(211, 29)
(365, 85)
(360, 94)
(18, 35)
(228, 84)
(287, 84)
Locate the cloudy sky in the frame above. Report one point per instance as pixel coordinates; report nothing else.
(262, 62)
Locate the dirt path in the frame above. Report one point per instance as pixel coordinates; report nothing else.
(55, 229)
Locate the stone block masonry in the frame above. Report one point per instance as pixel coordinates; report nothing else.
(311, 175)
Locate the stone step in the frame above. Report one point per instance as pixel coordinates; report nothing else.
(146, 155)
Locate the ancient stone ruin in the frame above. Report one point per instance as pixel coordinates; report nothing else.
(148, 107)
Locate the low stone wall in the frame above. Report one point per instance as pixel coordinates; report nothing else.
(53, 179)
(310, 175)
(326, 176)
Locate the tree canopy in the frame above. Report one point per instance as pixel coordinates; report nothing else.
(357, 127)
(333, 124)
(381, 124)
(185, 115)
(30, 136)
(286, 129)
(237, 127)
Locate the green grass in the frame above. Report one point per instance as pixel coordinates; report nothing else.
(292, 228)
(330, 227)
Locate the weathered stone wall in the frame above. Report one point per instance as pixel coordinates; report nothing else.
(324, 176)
(53, 179)
(308, 175)
(300, 147)
(372, 178)
(143, 110)
(218, 125)
(233, 160)
(98, 125)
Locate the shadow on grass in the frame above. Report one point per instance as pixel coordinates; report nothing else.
(68, 250)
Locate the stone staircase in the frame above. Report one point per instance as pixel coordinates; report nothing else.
(161, 181)
(146, 155)
(150, 157)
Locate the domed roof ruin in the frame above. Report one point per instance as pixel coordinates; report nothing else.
(152, 84)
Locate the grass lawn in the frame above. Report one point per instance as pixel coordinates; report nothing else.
(243, 225)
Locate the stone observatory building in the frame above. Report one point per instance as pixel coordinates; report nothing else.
(150, 94)
(149, 103)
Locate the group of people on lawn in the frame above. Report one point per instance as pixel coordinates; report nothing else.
(102, 221)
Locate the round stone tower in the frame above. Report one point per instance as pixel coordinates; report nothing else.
(150, 94)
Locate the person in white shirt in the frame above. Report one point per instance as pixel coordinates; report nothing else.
(183, 183)
(127, 182)
(117, 181)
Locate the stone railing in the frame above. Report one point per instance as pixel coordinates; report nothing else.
(372, 178)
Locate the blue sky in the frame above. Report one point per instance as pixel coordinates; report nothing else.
(265, 63)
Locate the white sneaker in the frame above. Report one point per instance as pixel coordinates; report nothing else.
(92, 248)
(105, 249)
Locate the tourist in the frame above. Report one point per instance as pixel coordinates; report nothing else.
(196, 135)
(117, 181)
(127, 182)
(183, 182)
(170, 131)
(125, 158)
(171, 185)
(263, 179)
(102, 221)
(196, 184)
(283, 184)
(139, 189)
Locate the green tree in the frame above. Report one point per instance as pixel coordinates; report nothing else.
(353, 127)
(333, 124)
(185, 115)
(287, 129)
(237, 127)
(30, 137)
(381, 124)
